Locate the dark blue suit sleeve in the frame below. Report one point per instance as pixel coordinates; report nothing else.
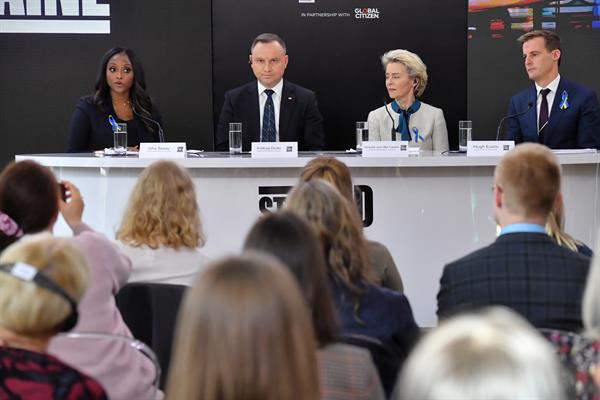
(589, 123)
(513, 128)
(314, 134)
(226, 116)
(80, 130)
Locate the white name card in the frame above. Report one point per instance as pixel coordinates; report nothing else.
(274, 149)
(386, 148)
(163, 150)
(484, 148)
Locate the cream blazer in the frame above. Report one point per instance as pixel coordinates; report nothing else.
(428, 120)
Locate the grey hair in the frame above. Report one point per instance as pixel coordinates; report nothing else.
(591, 297)
(493, 355)
(268, 38)
(415, 67)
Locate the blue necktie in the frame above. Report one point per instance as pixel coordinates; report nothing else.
(269, 132)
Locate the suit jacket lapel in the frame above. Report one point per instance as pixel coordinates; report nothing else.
(556, 113)
(532, 116)
(254, 117)
(286, 109)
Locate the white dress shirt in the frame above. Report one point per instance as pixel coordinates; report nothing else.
(262, 100)
(553, 86)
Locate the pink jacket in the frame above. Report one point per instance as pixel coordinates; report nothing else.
(124, 372)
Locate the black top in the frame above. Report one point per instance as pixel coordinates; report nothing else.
(90, 129)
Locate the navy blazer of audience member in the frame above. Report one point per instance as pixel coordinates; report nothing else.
(576, 126)
(299, 117)
(574, 115)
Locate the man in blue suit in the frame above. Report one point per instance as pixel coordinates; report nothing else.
(524, 268)
(271, 109)
(554, 111)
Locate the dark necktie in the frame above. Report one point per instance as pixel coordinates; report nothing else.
(543, 115)
(269, 132)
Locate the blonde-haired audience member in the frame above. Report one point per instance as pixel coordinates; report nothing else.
(161, 230)
(493, 355)
(244, 333)
(555, 225)
(338, 174)
(42, 279)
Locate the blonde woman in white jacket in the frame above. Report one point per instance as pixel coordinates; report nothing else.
(418, 123)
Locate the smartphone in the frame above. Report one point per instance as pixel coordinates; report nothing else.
(63, 192)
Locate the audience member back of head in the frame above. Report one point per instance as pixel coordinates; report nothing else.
(244, 334)
(494, 355)
(346, 372)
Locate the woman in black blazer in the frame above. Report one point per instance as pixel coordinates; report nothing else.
(120, 91)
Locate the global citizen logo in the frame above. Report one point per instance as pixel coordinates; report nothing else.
(366, 13)
(54, 16)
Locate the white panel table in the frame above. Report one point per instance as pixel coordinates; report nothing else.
(427, 210)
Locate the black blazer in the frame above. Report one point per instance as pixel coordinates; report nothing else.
(299, 119)
(90, 130)
(527, 272)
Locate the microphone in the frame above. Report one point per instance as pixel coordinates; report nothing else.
(392, 118)
(529, 106)
(161, 134)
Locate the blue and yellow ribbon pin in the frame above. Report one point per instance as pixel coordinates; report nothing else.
(417, 135)
(564, 103)
(113, 124)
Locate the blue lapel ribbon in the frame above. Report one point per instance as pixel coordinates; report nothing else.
(115, 127)
(564, 103)
(404, 118)
(417, 135)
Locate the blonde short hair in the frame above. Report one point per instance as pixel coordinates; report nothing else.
(493, 355)
(415, 67)
(162, 210)
(244, 332)
(30, 310)
(529, 176)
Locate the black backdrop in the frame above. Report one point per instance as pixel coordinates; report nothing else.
(194, 51)
(338, 57)
(43, 75)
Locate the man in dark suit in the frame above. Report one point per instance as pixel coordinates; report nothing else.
(524, 269)
(555, 111)
(271, 109)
